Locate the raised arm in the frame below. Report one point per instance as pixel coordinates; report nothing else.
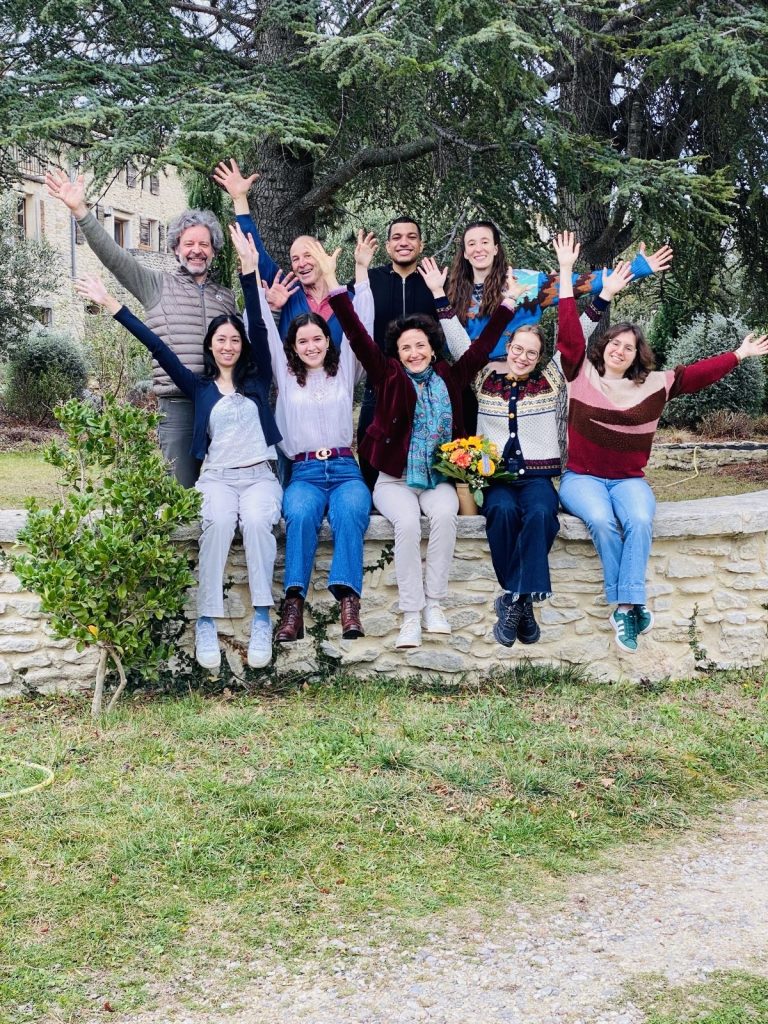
(570, 337)
(456, 337)
(92, 287)
(140, 281)
(362, 300)
(613, 283)
(257, 331)
(553, 287)
(237, 186)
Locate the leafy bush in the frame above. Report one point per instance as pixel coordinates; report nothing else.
(103, 560)
(741, 390)
(119, 363)
(44, 370)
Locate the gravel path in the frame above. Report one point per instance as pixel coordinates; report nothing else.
(682, 912)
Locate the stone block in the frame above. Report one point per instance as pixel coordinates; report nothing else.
(6, 673)
(725, 599)
(684, 567)
(736, 618)
(743, 567)
(355, 653)
(700, 586)
(379, 625)
(552, 616)
(8, 626)
(746, 582)
(18, 644)
(10, 584)
(460, 643)
(464, 617)
(437, 660)
(29, 608)
(37, 659)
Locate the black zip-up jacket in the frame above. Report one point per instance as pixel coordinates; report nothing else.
(395, 296)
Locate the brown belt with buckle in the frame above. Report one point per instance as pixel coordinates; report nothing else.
(324, 453)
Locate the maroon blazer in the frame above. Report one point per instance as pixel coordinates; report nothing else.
(386, 441)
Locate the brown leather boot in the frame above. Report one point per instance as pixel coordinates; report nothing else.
(291, 620)
(351, 627)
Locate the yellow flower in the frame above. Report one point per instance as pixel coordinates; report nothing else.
(447, 447)
(486, 466)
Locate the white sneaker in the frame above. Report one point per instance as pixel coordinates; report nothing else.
(207, 651)
(410, 633)
(260, 644)
(434, 619)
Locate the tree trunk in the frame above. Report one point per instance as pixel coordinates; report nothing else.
(98, 690)
(284, 180)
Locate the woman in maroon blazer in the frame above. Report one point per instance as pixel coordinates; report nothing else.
(418, 408)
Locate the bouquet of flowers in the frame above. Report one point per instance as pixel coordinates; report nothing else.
(472, 460)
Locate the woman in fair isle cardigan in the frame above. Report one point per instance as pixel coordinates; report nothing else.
(615, 400)
(522, 409)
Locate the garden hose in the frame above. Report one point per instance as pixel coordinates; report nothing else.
(49, 777)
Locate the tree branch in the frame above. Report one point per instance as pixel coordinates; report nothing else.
(323, 193)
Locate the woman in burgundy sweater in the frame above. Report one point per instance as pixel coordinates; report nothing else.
(418, 408)
(615, 400)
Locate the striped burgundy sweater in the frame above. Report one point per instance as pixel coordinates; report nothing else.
(612, 423)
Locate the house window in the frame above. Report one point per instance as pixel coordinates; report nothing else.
(131, 175)
(154, 184)
(145, 233)
(121, 231)
(21, 215)
(162, 242)
(44, 314)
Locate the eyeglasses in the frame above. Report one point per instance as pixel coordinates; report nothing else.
(520, 353)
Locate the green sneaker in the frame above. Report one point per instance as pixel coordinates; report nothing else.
(626, 630)
(643, 619)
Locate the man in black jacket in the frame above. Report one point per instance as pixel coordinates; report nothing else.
(398, 290)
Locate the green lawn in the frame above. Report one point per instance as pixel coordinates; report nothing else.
(193, 830)
(725, 998)
(26, 475)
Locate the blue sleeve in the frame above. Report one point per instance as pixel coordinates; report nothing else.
(184, 379)
(267, 266)
(257, 331)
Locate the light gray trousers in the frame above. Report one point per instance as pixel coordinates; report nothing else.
(251, 498)
(402, 506)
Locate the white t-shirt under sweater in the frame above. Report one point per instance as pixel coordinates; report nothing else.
(237, 437)
(319, 414)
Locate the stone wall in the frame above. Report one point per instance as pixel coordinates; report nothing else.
(707, 454)
(707, 586)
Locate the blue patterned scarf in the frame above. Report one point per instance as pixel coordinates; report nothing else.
(432, 426)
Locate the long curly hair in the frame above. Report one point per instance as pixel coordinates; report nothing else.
(643, 362)
(243, 365)
(295, 364)
(415, 322)
(461, 278)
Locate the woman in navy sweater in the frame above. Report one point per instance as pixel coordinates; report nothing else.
(235, 433)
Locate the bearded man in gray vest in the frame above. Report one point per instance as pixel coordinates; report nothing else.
(178, 305)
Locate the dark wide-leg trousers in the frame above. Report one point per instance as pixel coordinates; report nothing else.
(521, 524)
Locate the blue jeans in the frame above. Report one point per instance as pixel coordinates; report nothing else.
(335, 486)
(521, 524)
(605, 505)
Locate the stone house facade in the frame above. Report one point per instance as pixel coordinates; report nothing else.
(134, 208)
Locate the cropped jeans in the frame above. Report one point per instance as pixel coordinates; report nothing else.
(619, 517)
(335, 487)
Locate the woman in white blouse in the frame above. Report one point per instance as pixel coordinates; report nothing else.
(315, 383)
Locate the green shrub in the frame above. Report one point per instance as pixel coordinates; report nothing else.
(44, 370)
(741, 390)
(103, 559)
